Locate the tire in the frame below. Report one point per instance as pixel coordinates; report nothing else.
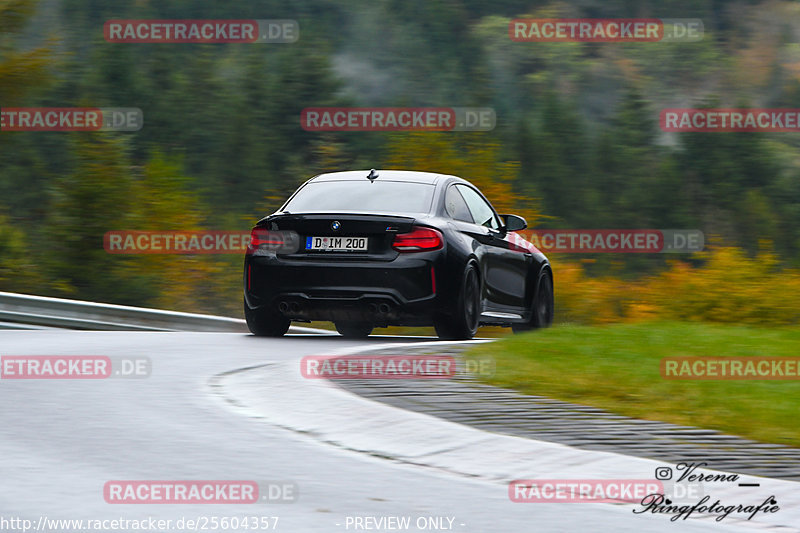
(352, 330)
(462, 324)
(265, 323)
(542, 306)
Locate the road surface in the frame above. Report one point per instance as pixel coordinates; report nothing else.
(63, 440)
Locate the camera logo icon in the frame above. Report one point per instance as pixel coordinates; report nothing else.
(663, 473)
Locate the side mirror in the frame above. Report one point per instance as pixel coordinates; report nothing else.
(514, 223)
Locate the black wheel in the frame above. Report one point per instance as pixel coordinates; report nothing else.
(353, 331)
(542, 307)
(265, 323)
(462, 324)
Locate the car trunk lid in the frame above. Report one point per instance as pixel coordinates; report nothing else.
(343, 230)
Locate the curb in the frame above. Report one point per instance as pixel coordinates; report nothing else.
(278, 394)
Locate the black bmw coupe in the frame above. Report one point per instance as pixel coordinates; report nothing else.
(368, 249)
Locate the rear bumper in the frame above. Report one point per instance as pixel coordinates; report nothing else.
(398, 292)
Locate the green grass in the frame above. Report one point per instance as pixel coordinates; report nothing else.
(617, 368)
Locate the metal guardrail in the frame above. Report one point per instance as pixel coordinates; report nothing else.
(30, 312)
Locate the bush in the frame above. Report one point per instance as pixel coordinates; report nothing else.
(729, 287)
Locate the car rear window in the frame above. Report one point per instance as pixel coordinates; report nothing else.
(362, 196)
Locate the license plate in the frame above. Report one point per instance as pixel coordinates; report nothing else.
(337, 244)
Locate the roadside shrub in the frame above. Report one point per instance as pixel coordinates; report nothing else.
(729, 287)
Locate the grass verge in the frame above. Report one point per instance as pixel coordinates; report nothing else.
(617, 368)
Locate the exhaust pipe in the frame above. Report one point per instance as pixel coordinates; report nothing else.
(383, 308)
(283, 307)
(372, 308)
(295, 307)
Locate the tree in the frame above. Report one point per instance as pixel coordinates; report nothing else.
(86, 203)
(473, 157)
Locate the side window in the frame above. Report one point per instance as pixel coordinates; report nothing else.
(482, 212)
(455, 205)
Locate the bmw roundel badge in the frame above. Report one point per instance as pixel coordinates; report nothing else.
(335, 225)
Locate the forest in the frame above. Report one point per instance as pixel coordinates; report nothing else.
(577, 142)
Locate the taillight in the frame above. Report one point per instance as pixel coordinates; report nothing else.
(418, 240)
(261, 236)
(285, 242)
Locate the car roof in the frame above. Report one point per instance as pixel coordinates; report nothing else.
(410, 176)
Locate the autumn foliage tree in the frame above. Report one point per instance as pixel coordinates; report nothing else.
(474, 157)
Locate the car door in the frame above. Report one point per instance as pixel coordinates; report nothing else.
(463, 222)
(506, 267)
